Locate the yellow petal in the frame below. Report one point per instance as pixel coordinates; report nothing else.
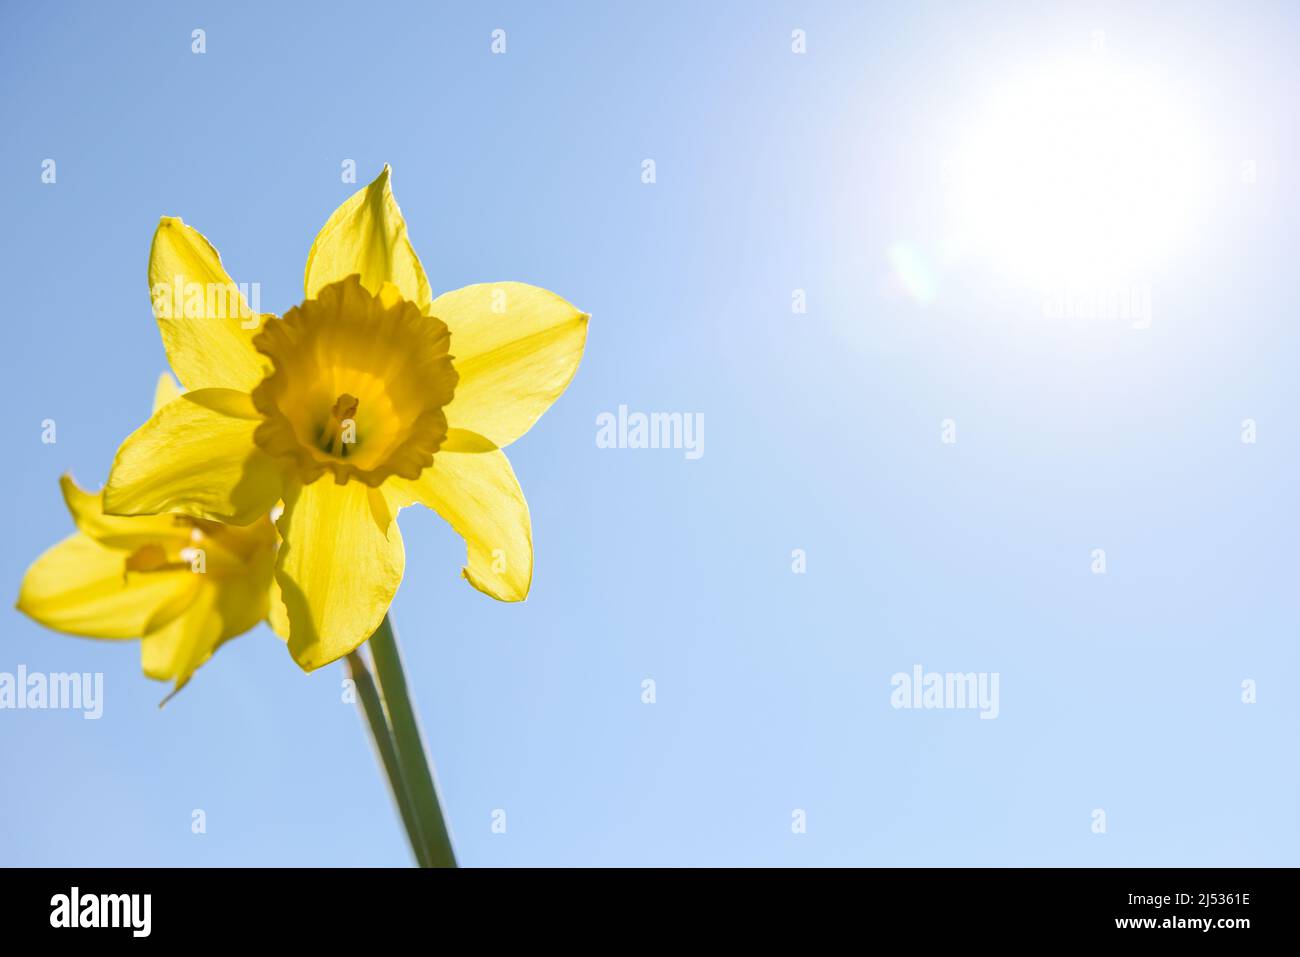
(116, 531)
(175, 651)
(166, 390)
(478, 494)
(277, 616)
(516, 347)
(219, 610)
(196, 455)
(205, 320)
(367, 236)
(81, 587)
(339, 565)
(243, 600)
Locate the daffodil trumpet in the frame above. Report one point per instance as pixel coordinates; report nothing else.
(368, 397)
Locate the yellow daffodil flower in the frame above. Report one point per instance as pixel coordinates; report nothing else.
(369, 396)
(182, 585)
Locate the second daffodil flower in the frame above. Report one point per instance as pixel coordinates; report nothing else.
(369, 396)
(182, 585)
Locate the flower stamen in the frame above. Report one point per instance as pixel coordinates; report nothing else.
(340, 431)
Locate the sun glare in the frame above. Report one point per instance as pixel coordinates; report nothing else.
(1081, 173)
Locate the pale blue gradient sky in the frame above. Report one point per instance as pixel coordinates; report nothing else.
(775, 172)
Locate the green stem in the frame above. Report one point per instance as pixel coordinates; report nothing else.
(382, 736)
(410, 745)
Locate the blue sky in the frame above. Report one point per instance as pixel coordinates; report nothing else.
(775, 172)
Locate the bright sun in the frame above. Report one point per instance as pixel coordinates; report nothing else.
(1082, 173)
